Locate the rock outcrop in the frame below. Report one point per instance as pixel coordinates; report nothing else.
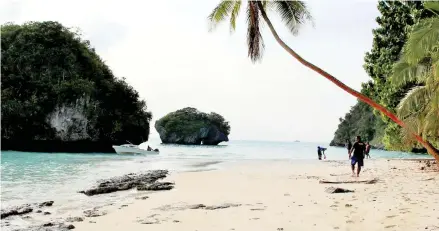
(145, 181)
(23, 209)
(64, 100)
(192, 127)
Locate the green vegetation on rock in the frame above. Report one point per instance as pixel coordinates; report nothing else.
(190, 126)
(55, 87)
(188, 121)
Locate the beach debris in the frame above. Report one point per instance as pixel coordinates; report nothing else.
(74, 219)
(347, 205)
(223, 206)
(197, 206)
(146, 181)
(142, 198)
(156, 186)
(94, 213)
(373, 181)
(152, 219)
(337, 190)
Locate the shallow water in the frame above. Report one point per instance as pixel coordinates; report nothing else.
(37, 177)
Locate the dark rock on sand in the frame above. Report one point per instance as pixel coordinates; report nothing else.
(337, 190)
(144, 181)
(46, 213)
(23, 209)
(157, 186)
(46, 204)
(94, 213)
(74, 219)
(17, 210)
(49, 226)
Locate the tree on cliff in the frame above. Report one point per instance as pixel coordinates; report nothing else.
(55, 87)
(419, 64)
(190, 126)
(293, 13)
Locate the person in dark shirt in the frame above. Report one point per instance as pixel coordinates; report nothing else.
(348, 145)
(358, 157)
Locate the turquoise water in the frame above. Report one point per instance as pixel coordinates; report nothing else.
(37, 177)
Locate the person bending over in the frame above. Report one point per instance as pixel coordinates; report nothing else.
(367, 150)
(358, 157)
(320, 152)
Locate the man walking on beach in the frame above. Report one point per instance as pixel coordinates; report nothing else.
(358, 158)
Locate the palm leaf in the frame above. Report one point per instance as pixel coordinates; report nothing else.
(234, 15)
(404, 73)
(422, 40)
(413, 102)
(432, 5)
(220, 13)
(254, 37)
(292, 13)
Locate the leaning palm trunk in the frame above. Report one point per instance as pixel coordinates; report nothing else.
(432, 150)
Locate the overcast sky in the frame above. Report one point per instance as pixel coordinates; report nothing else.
(165, 51)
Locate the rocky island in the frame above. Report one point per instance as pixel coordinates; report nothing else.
(192, 127)
(58, 95)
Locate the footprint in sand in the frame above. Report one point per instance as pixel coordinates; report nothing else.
(391, 216)
(389, 226)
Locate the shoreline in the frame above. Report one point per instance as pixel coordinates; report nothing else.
(270, 195)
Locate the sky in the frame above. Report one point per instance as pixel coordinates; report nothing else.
(165, 51)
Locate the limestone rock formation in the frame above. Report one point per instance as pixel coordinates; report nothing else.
(192, 127)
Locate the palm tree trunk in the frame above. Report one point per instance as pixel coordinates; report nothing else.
(432, 150)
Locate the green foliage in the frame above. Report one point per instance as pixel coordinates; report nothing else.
(45, 66)
(395, 23)
(188, 121)
(293, 14)
(357, 122)
(419, 64)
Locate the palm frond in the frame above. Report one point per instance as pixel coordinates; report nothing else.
(234, 15)
(293, 14)
(432, 5)
(422, 40)
(435, 69)
(404, 73)
(220, 13)
(413, 102)
(254, 37)
(431, 126)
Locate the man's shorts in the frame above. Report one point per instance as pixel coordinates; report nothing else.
(355, 160)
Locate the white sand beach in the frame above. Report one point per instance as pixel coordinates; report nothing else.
(282, 195)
